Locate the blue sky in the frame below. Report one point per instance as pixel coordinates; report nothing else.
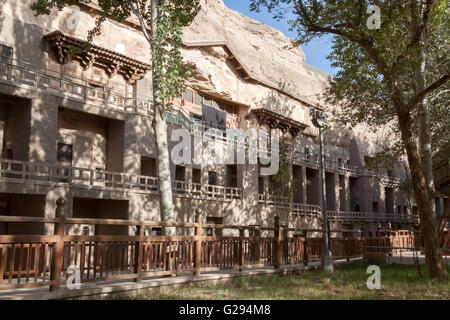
(316, 51)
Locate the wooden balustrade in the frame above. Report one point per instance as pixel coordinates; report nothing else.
(14, 170)
(41, 260)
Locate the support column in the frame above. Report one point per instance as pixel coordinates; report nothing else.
(43, 130)
(382, 202)
(336, 192)
(347, 206)
(2, 134)
(132, 156)
(303, 185)
(249, 176)
(316, 189)
(331, 187)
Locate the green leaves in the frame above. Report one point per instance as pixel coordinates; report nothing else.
(377, 68)
(168, 61)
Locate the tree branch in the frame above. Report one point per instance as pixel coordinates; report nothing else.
(138, 14)
(421, 95)
(422, 26)
(419, 31)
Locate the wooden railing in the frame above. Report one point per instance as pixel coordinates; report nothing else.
(306, 158)
(13, 170)
(284, 202)
(315, 210)
(51, 81)
(205, 191)
(372, 216)
(48, 260)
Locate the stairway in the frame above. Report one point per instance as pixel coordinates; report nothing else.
(180, 117)
(184, 120)
(444, 235)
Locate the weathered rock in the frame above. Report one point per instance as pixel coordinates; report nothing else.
(265, 53)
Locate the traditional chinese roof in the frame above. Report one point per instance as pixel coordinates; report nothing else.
(112, 62)
(276, 121)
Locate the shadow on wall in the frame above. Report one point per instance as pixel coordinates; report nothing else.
(24, 34)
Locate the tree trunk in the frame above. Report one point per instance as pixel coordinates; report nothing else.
(425, 135)
(433, 256)
(160, 130)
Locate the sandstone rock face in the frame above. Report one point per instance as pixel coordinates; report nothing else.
(29, 29)
(264, 51)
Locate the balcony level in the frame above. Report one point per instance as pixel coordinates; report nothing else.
(336, 216)
(69, 176)
(373, 217)
(23, 74)
(231, 137)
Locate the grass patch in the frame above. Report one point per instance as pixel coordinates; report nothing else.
(347, 282)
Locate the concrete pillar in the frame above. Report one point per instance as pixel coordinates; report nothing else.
(2, 134)
(336, 192)
(188, 176)
(303, 184)
(347, 192)
(43, 130)
(249, 175)
(290, 171)
(138, 140)
(382, 202)
(249, 205)
(314, 194)
(365, 193)
(331, 188)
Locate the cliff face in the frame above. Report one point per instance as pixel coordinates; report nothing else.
(269, 56)
(264, 51)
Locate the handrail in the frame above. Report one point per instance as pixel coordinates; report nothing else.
(76, 176)
(284, 202)
(184, 119)
(206, 190)
(372, 216)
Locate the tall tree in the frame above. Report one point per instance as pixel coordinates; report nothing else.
(379, 52)
(161, 23)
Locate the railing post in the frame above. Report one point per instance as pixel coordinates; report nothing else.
(138, 253)
(363, 240)
(347, 248)
(257, 245)
(277, 243)
(241, 249)
(91, 178)
(58, 247)
(305, 248)
(198, 241)
(286, 244)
